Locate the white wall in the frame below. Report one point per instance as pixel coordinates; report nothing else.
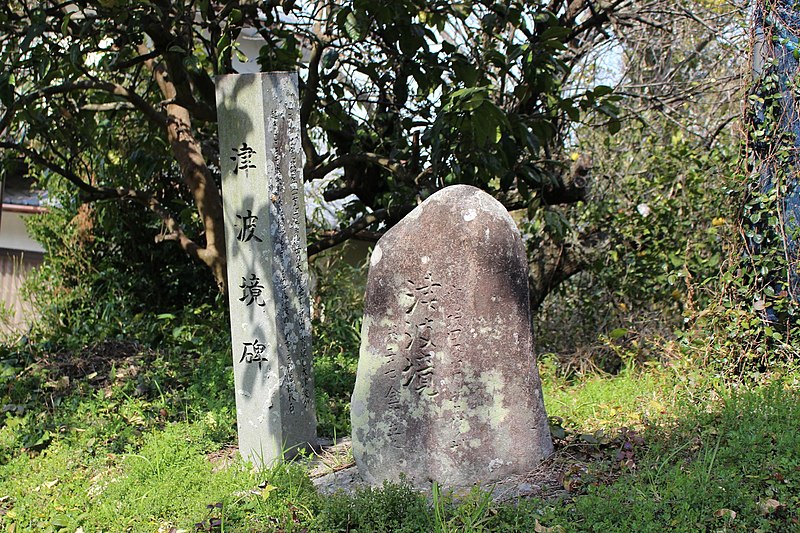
(14, 236)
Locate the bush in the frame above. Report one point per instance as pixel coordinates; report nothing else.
(663, 214)
(394, 507)
(104, 278)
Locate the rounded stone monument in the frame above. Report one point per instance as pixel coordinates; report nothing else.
(447, 387)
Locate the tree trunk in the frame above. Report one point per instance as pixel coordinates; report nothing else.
(198, 178)
(771, 221)
(551, 264)
(207, 198)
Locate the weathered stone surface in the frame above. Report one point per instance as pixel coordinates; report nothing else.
(261, 164)
(447, 386)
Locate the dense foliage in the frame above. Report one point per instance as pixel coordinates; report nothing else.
(667, 216)
(102, 281)
(770, 212)
(398, 99)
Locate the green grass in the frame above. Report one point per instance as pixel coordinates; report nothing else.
(167, 480)
(144, 446)
(713, 459)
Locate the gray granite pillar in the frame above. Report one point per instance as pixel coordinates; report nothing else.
(262, 183)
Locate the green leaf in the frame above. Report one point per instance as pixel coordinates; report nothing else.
(352, 27)
(33, 32)
(573, 112)
(223, 45)
(61, 521)
(75, 54)
(617, 333)
(65, 24)
(330, 58)
(468, 73)
(448, 48)
(6, 89)
(267, 490)
(602, 90)
(555, 32)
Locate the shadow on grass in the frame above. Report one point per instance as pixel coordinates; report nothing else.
(728, 465)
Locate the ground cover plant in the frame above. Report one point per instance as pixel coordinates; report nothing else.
(120, 436)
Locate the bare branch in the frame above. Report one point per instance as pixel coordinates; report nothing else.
(551, 263)
(323, 170)
(113, 88)
(110, 106)
(354, 228)
(137, 60)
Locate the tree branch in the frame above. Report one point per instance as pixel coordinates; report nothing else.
(167, 44)
(91, 193)
(324, 169)
(196, 175)
(110, 106)
(310, 96)
(137, 60)
(551, 263)
(569, 188)
(573, 187)
(153, 115)
(113, 88)
(70, 176)
(348, 232)
(595, 21)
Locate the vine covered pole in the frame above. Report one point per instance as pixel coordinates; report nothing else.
(771, 214)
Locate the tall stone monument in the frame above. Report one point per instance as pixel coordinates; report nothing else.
(447, 388)
(260, 160)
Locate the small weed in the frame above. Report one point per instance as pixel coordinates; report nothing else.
(393, 507)
(214, 521)
(473, 513)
